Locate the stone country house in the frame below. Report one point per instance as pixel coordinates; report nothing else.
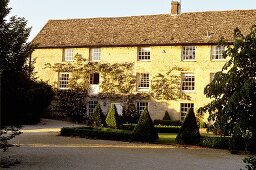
(154, 43)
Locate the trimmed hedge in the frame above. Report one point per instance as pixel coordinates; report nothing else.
(167, 122)
(168, 129)
(98, 133)
(159, 128)
(215, 142)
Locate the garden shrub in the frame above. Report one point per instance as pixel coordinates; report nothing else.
(130, 114)
(166, 116)
(167, 129)
(215, 142)
(98, 117)
(189, 131)
(128, 126)
(112, 119)
(237, 142)
(145, 130)
(167, 122)
(98, 133)
(72, 102)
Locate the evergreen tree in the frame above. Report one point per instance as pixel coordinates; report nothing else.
(112, 119)
(166, 116)
(189, 131)
(145, 129)
(98, 117)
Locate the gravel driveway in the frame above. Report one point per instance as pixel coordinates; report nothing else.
(40, 147)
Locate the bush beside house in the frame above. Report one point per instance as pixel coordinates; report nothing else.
(189, 132)
(145, 130)
(112, 119)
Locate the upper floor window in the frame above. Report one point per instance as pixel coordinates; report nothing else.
(64, 81)
(217, 52)
(188, 82)
(184, 109)
(141, 106)
(188, 53)
(144, 53)
(68, 54)
(95, 54)
(143, 81)
(94, 78)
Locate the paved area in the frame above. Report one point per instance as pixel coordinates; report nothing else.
(40, 147)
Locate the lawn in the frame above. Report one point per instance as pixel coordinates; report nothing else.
(166, 138)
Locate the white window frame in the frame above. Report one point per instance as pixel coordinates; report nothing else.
(63, 82)
(68, 55)
(144, 53)
(188, 82)
(143, 81)
(91, 106)
(140, 106)
(188, 53)
(184, 109)
(217, 52)
(95, 54)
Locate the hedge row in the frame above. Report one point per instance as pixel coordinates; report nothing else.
(98, 133)
(167, 122)
(215, 142)
(159, 128)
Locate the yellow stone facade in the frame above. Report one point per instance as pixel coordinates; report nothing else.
(162, 58)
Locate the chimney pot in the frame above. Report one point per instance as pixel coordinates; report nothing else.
(175, 8)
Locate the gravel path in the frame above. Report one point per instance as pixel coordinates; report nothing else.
(40, 147)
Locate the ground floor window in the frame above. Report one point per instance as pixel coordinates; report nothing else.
(184, 108)
(63, 81)
(141, 106)
(91, 105)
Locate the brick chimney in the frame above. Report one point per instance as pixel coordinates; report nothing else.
(175, 8)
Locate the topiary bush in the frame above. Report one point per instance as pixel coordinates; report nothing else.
(166, 116)
(167, 122)
(145, 130)
(98, 117)
(189, 132)
(112, 119)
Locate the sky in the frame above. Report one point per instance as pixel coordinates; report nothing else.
(38, 12)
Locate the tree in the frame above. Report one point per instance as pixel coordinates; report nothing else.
(189, 131)
(233, 90)
(112, 119)
(98, 118)
(145, 129)
(166, 116)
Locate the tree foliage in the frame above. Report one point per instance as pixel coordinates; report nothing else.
(98, 118)
(166, 116)
(189, 131)
(233, 89)
(112, 119)
(22, 97)
(145, 129)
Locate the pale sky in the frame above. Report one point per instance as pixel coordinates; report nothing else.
(38, 12)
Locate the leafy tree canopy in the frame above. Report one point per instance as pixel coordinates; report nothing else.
(233, 89)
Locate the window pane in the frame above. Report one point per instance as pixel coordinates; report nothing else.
(63, 80)
(94, 78)
(143, 80)
(68, 54)
(95, 54)
(188, 53)
(217, 52)
(188, 82)
(141, 106)
(91, 105)
(144, 53)
(184, 108)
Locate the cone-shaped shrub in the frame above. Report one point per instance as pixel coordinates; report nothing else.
(189, 131)
(166, 116)
(112, 119)
(98, 117)
(145, 130)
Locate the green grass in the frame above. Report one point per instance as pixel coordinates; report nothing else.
(166, 138)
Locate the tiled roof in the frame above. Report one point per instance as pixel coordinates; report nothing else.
(163, 29)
